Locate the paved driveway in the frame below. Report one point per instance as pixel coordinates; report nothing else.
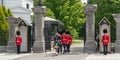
(75, 54)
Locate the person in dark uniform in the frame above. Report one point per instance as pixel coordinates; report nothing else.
(18, 41)
(57, 43)
(97, 40)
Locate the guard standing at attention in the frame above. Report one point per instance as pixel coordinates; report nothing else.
(18, 41)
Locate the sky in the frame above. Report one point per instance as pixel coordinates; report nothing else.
(84, 0)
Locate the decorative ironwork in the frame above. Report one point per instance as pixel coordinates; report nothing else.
(39, 3)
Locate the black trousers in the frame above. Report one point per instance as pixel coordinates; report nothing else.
(18, 49)
(98, 45)
(65, 48)
(60, 49)
(68, 47)
(105, 47)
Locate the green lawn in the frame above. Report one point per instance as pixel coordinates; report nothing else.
(77, 42)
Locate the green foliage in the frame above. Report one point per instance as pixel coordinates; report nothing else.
(76, 42)
(70, 12)
(5, 11)
(9, 12)
(105, 9)
(2, 20)
(49, 13)
(54, 6)
(3, 26)
(72, 16)
(74, 33)
(36, 2)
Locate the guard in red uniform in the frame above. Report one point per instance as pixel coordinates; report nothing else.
(64, 41)
(69, 41)
(105, 41)
(18, 42)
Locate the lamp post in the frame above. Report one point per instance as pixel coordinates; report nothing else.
(92, 1)
(39, 3)
(89, 1)
(2, 2)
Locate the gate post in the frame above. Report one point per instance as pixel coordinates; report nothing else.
(11, 46)
(117, 42)
(90, 28)
(39, 44)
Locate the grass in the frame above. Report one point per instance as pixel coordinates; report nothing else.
(76, 42)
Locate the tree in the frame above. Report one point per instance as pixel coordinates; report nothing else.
(54, 6)
(9, 12)
(105, 9)
(70, 12)
(3, 25)
(73, 17)
(3, 22)
(5, 11)
(36, 2)
(49, 13)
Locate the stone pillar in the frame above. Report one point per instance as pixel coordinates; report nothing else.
(39, 44)
(117, 42)
(11, 46)
(90, 28)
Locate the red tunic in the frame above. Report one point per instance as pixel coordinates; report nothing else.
(69, 40)
(105, 39)
(18, 40)
(64, 38)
